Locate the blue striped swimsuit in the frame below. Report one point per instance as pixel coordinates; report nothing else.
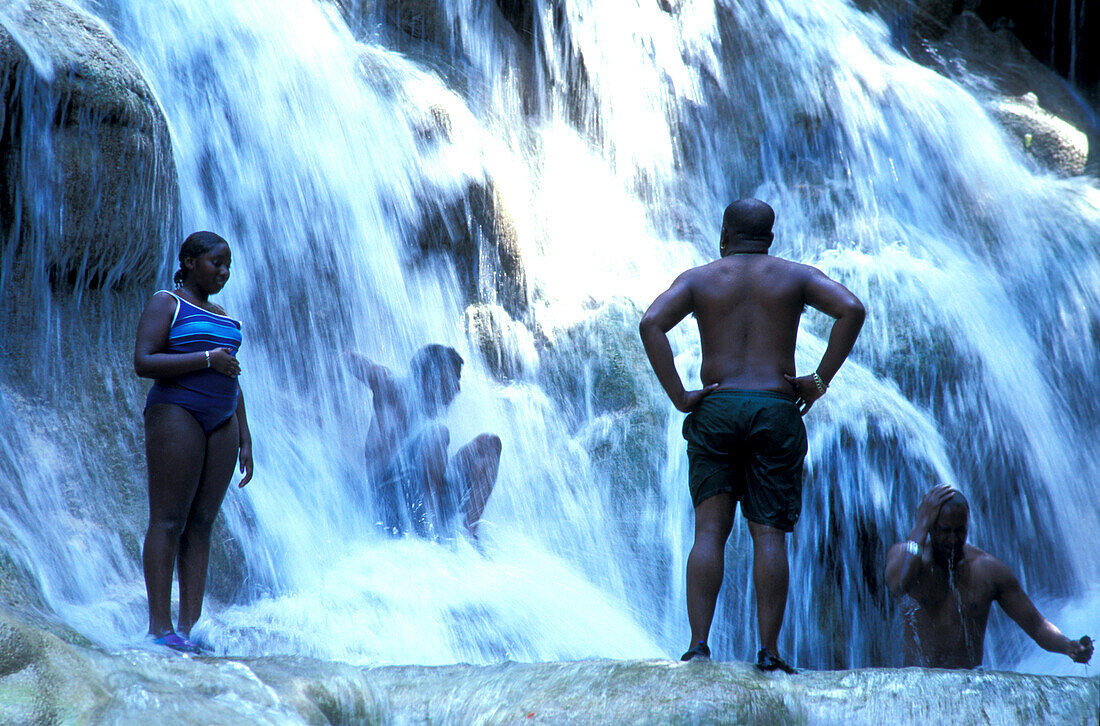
(206, 394)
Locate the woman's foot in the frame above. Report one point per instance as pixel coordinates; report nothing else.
(176, 642)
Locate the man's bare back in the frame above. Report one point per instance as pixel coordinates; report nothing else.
(947, 587)
(747, 307)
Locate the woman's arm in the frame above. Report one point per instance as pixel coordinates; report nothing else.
(152, 339)
(245, 439)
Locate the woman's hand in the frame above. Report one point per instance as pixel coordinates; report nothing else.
(222, 360)
(245, 458)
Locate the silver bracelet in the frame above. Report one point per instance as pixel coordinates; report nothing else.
(912, 547)
(821, 387)
(207, 358)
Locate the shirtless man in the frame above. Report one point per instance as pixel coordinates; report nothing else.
(418, 488)
(946, 588)
(746, 440)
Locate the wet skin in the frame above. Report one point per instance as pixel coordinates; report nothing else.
(397, 407)
(946, 592)
(188, 469)
(747, 305)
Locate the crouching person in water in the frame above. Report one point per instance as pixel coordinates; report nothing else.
(195, 430)
(946, 588)
(418, 489)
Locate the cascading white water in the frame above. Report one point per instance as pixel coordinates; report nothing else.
(321, 157)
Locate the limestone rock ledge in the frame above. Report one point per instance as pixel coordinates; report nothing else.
(45, 679)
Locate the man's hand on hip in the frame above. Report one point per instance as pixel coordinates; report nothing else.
(691, 399)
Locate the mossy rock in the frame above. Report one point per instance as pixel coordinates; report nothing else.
(599, 365)
(84, 150)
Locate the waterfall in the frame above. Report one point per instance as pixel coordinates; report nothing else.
(546, 174)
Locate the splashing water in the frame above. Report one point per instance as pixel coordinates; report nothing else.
(609, 135)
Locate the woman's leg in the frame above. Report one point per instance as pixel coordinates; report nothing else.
(174, 449)
(222, 446)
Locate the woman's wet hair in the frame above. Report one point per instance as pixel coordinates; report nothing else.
(196, 245)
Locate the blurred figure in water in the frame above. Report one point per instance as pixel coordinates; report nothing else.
(946, 588)
(746, 439)
(418, 489)
(195, 429)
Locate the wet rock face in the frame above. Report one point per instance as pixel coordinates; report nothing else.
(88, 189)
(419, 19)
(44, 679)
(1062, 34)
(520, 14)
(955, 38)
(426, 19)
(476, 233)
(600, 376)
(919, 18)
(507, 346)
(1035, 104)
(1050, 140)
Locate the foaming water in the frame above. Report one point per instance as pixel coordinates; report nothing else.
(609, 136)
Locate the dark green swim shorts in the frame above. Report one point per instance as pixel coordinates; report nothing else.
(750, 443)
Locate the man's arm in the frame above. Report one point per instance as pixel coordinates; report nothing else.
(670, 307)
(836, 301)
(904, 560)
(1018, 606)
(378, 377)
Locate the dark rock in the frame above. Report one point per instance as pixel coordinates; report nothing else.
(598, 373)
(520, 14)
(419, 19)
(913, 20)
(476, 232)
(507, 347)
(1000, 59)
(1052, 141)
(88, 190)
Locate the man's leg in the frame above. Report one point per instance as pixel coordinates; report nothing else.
(431, 469)
(706, 563)
(477, 464)
(769, 577)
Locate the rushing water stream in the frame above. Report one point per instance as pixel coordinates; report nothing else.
(609, 137)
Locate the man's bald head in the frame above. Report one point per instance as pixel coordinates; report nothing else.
(947, 536)
(955, 501)
(747, 223)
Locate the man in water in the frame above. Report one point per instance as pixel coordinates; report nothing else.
(418, 488)
(947, 586)
(746, 439)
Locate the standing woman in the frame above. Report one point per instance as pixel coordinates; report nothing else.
(195, 430)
